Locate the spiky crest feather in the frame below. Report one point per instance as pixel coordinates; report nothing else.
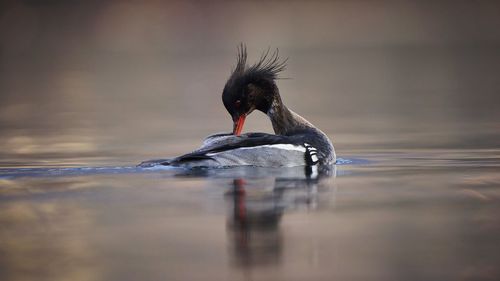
(268, 66)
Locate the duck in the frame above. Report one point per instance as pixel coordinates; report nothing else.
(296, 142)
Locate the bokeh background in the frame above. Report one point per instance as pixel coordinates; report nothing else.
(117, 82)
(409, 92)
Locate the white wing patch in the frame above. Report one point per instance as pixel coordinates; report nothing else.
(313, 153)
(279, 146)
(314, 158)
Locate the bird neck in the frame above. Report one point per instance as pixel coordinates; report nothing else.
(284, 120)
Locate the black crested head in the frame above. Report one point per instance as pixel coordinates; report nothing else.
(252, 87)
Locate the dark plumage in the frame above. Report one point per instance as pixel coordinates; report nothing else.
(256, 81)
(268, 66)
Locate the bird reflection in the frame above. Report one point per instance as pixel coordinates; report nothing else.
(253, 227)
(256, 208)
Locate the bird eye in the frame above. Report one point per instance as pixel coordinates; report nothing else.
(237, 103)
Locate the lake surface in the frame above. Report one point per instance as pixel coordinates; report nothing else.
(408, 92)
(421, 215)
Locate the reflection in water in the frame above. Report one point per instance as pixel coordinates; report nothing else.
(76, 226)
(391, 220)
(256, 210)
(253, 227)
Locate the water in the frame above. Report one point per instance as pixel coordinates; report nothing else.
(413, 216)
(407, 92)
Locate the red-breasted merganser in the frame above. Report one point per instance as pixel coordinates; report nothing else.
(296, 142)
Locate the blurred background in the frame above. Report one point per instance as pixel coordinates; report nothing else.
(117, 82)
(410, 87)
